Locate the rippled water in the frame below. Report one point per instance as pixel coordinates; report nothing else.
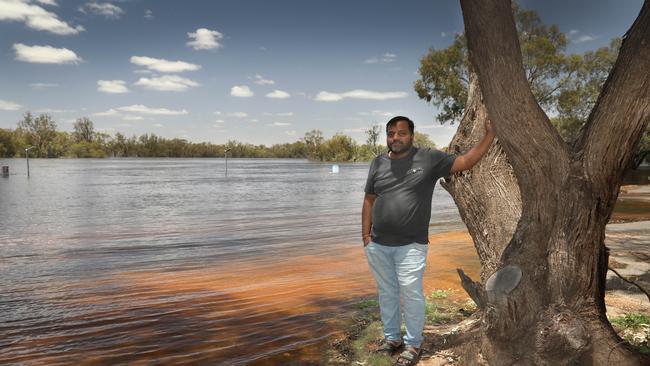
(141, 261)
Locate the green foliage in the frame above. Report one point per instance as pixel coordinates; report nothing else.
(373, 141)
(7, 144)
(441, 294)
(632, 321)
(434, 315)
(565, 85)
(369, 304)
(38, 132)
(423, 140)
(444, 74)
(367, 342)
(84, 130)
(444, 79)
(85, 142)
(634, 328)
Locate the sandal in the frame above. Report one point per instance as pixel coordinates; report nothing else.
(389, 347)
(409, 357)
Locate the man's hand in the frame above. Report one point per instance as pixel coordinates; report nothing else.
(469, 159)
(366, 241)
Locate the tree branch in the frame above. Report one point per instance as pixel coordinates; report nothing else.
(533, 145)
(630, 282)
(622, 112)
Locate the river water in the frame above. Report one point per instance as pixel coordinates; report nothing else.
(168, 261)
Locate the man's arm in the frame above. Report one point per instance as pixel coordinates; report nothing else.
(366, 217)
(469, 159)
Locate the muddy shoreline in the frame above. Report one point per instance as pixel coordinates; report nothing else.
(627, 236)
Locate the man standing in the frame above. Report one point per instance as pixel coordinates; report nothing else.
(395, 227)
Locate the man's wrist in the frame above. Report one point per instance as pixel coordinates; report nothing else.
(365, 235)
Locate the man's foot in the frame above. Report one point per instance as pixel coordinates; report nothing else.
(389, 347)
(409, 357)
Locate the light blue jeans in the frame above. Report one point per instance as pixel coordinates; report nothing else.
(400, 270)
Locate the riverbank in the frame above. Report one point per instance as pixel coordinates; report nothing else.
(450, 311)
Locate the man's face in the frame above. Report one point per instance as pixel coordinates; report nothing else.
(398, 137)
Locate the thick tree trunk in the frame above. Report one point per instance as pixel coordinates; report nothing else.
(537, 208)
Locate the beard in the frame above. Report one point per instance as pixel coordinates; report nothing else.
(398, 147)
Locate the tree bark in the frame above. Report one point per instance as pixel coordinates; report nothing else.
(536, 207)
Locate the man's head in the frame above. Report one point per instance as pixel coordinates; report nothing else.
(399, 134)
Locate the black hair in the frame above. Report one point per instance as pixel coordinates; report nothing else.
(396, 119)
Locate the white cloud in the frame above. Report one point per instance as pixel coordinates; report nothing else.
(378, 113)
(48, 2)
(41, 86)
(219, 121)
(112, 86)
(205, 39)
(385, 58)
(148, 72)
(280, 124)
(242, 91)
(218, 113)
(291, 132)
(6, 105)
(285, 114)
(238, 114)
(107, 10)
(355, 130)
(325, 96)
(162, 65)
(45, 54)
(443, 34)
(158, 125)
(139, 109)
(585, 38)
(261, 81)
(253, 120)
(130, 117)
(108, 113)
(148, 14)
(36, 17)
(167, 83)
(57, 111)
(388, 57)
(278, 94)
(573, 31)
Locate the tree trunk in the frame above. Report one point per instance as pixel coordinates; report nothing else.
(536, 207)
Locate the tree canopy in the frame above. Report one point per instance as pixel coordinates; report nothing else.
(565, 85)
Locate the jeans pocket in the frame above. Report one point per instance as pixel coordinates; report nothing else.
(421, 247)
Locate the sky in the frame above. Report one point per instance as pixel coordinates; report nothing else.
(256, 71)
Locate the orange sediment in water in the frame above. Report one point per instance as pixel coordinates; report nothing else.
(240, 312)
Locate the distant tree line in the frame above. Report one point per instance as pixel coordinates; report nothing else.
(85, 142)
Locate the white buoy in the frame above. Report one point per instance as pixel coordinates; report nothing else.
(335, 169)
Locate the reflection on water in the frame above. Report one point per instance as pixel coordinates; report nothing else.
(131, 261)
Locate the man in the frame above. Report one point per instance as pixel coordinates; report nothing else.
(395, 222)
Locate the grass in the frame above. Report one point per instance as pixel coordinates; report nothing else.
(441, 294)
(634, 328)
(365, 333)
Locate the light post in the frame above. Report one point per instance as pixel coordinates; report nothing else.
(225, 153)
(27, 156)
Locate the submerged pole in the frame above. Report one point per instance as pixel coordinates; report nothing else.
(226, 156)
(27, 156)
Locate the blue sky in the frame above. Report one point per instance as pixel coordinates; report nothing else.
(258, 71)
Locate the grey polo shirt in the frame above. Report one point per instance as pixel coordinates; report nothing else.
(404, 188)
